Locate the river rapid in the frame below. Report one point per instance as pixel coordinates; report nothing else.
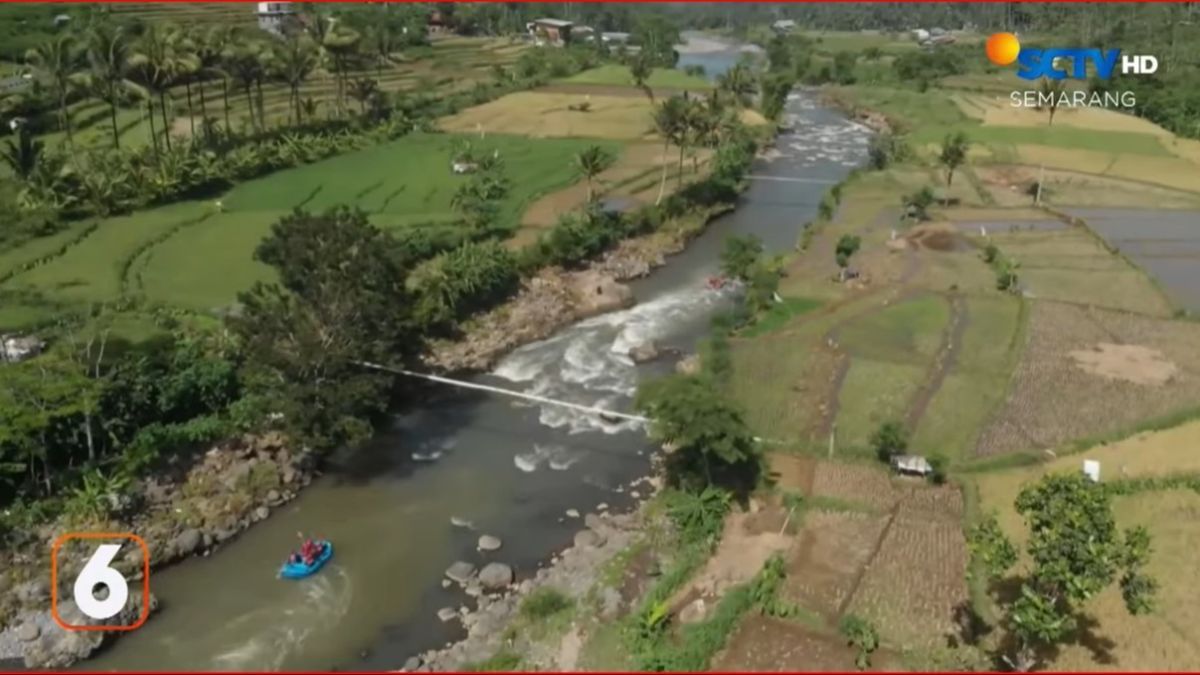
(492, 465)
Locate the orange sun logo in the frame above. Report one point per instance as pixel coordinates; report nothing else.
(1003, 48)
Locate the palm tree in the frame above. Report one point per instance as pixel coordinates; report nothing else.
(212, 48)
(1051, 91)
(22, 156)
(669, 123)
(341, 44)
(738, 82)
(591, 162)
(59, 60)
(295, 62)
(688, 131)
(954, 153)
(640, 70)
(108, 54)
(381, 40)
(187, 67)
(156, 62)
(245, 62)
(361, 90)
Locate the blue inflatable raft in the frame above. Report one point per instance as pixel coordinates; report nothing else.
(298, 570)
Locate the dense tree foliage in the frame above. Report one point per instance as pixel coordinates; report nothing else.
(340, 300)
(709, 441)
(1076, 551)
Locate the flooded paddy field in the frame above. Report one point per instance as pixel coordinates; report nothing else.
(1166, 244)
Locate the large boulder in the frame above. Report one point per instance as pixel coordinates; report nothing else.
(495, 576)
(460, 572)
(489, 543)
(597, 293)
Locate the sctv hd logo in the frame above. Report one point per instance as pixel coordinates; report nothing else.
(1004, 48)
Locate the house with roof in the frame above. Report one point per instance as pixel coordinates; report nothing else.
(278, 18)
(552, 32)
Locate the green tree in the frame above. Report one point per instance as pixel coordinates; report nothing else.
(640, 70)
(341, 44)
(709, 440)
(740, 255)
(341, 300)
(670, 121)
(157, 61)
(108, 52)
(59, 61)
(889, 440)
(847, 246)
(1076, 551)
(590, 163)
(22, 155)
(657, 36)
(295, 63)
(843, 67)
(953, 154)
(916, 204)
(739, 84)
(363, 89)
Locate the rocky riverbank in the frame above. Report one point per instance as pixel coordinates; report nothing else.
(190, 508)
(556, 298)
(576, 573)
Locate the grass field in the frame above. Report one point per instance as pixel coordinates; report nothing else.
(618, 75)
(547, 115)
(190, 255)
(1169, 638)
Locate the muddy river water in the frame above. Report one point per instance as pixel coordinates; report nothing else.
(509, 470)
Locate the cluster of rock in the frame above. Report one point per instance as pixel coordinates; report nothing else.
(190, 512)
(498, 595)
(552, 299)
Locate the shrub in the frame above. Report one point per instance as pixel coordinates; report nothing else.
(861, 635)
(545, 602)
(889, 440)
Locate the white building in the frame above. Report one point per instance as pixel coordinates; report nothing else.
(278, 17)
(783, 26)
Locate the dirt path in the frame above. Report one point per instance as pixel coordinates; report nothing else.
(943, 361)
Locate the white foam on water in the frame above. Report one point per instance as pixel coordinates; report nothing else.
(275, 633)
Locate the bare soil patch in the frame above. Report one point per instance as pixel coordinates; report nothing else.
(764, 644)
(1054, 399)
(792, 472)
(858, 483)
(1129, 363)
(834, 547)
(936, 237)
(745, 547)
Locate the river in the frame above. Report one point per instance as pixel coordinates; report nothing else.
(510, 469)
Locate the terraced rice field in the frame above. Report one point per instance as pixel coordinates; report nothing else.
(1166, 244)
(192, 255)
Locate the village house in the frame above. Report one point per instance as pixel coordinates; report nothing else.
(912, 465)
(783, 26)
(553, 32)
(437, 23)
(278, 18)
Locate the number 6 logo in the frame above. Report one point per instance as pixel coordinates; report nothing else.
(97, 572)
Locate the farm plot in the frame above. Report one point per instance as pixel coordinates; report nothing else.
(194, 255)
(1011, 185)
(618, 75)
(1073, 266)
(1088, 372)
(764, 644)
(545, 115)
(917, 579)
(1169, 171)
(94, 269)
(867, 485)
(975, 385)
(833, 548)
(1164, 243)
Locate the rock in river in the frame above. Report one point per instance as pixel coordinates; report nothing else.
(495, 576)
(460, 572)
(489, 543)
(588, 538)
(446, 614)
(647, 351)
